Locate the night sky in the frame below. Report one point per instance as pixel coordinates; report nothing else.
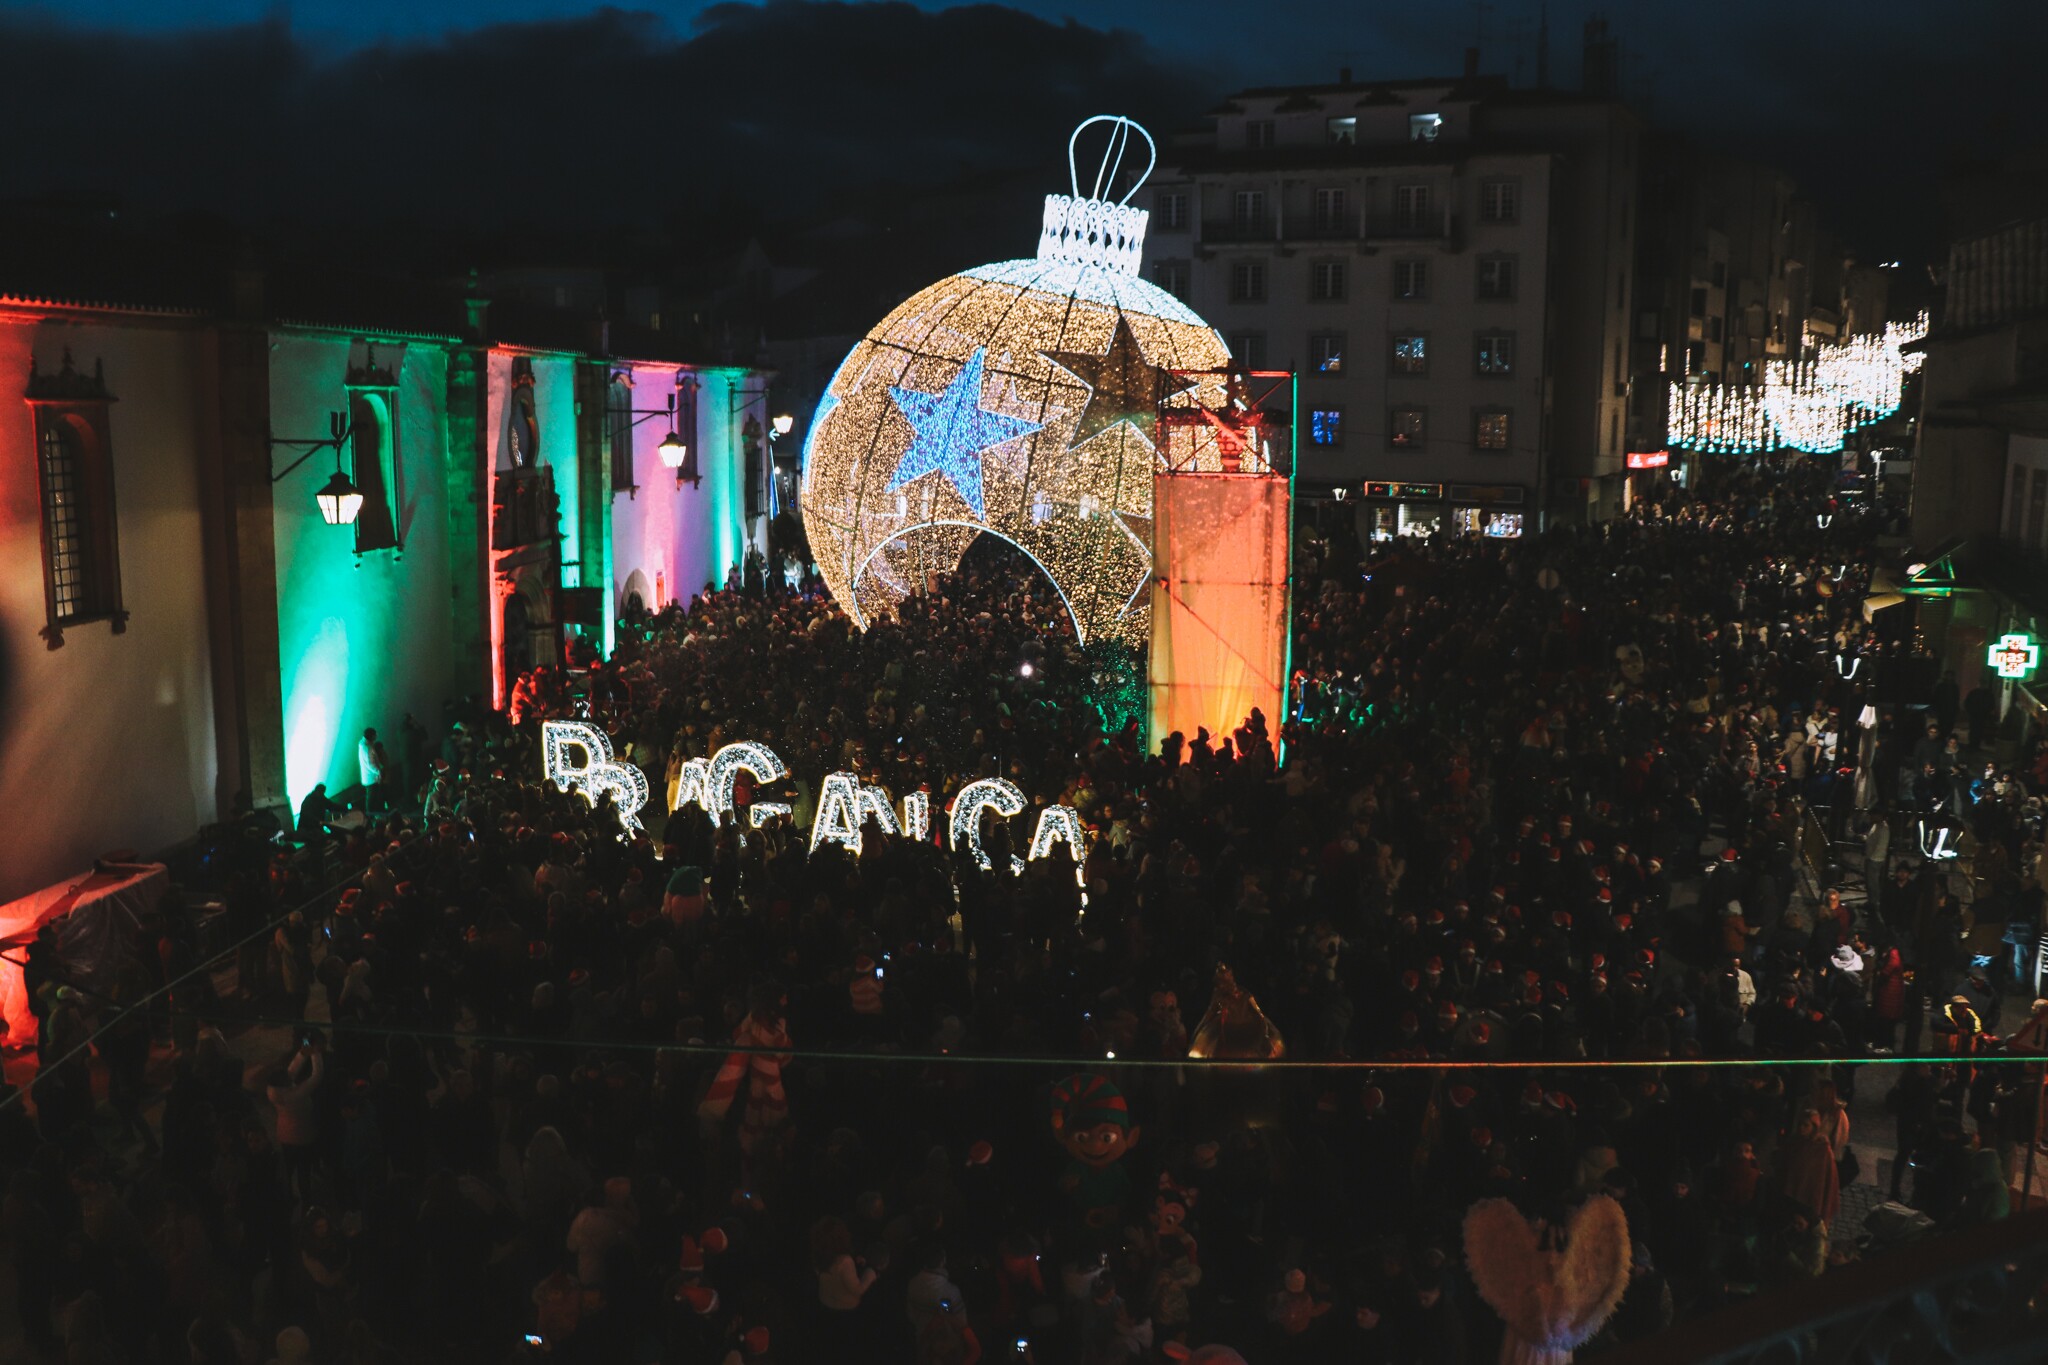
(541, 117)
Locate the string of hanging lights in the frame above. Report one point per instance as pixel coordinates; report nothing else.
(1811, 403)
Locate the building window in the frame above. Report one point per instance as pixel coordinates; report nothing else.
(1411, 353)
(1494, 353)
(1408, 428)
(1326, 352)
(1699, 301)
(1500, 201)
(75, 482)
(1344, 130)
(1490, 429)
(1249, 208)
(1720, 274)
(1496, 277)
(1326, 281)
(2037, 508)
(1713, 329)
(1247, 281)
(1411, 279)
(370, 454)
(1173, 209)
(1411, 207)
(1424, 127)
(1248, 349)
(1330, 209)
(619, 424)
(1258, 134)
(1326, 426)
(1172, 276)
(2015, 504)
(67, 526)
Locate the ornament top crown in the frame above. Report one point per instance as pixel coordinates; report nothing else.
(1090, 229)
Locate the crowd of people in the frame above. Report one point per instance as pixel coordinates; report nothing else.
(1554, 801)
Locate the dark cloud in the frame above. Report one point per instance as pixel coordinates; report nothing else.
(694, 123)
(561, 127)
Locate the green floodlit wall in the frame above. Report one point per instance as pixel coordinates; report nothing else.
(361, 641)
(725, 480)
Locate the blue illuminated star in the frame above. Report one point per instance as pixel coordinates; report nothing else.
(952, 429)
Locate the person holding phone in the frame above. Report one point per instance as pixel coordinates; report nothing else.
(290, 1090)
(843, 1283)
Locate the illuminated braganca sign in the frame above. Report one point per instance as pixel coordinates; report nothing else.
(577, 756)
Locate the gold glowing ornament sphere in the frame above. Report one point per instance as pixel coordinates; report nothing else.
(1017, 399)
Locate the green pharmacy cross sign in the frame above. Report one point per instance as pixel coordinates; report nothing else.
(2014, 656)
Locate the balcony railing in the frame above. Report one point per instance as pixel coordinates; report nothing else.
(1969, 1295)
(1323, 227)
(1429, 225)
(1434, 225)
(1228, 230)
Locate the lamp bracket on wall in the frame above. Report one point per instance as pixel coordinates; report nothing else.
(674, 450)
(339, 500)
(338, 434)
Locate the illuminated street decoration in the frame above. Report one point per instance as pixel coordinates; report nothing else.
(1810, 403)
(1935, 845)
(917, 815)
(838, 818)
(953, 431)
(576, 755)
(1057, 824)
(596, 776)
(2014, 656)
(989, 793)
(872, 803)
(1016, 399)
(758, 759)
(693, 783)
(1719, 418)
(1122, 386)
(1062, 824)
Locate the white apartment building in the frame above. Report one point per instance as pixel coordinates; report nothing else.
(1445, 264)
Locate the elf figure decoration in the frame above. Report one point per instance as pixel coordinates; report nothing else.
(1091, 1119)
(1554, 1286)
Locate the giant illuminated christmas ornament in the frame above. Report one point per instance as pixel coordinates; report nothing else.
(1020, 400)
